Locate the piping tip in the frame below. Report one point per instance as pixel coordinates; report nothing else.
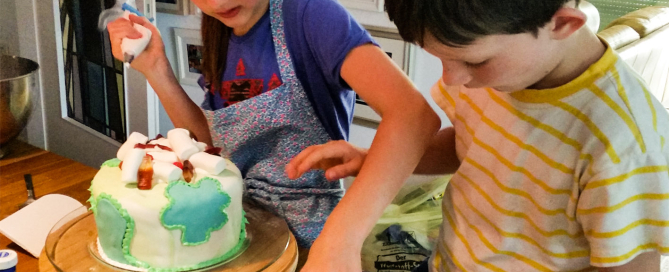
(128, 57)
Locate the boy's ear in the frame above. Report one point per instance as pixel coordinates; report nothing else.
(565, 22)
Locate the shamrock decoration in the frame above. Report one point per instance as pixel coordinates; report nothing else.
(196, 209)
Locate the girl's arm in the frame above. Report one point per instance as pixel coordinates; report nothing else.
(153, 63)
(341, 159)
(407, 126)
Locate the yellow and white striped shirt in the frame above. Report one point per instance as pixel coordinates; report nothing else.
(556, 180)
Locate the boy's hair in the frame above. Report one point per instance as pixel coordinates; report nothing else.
(457, 23)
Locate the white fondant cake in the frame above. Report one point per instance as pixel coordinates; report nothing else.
(165, 218)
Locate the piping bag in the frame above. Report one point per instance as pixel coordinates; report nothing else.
(131, 48)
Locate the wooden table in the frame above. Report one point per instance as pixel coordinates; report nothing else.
(51, 174)
(54, 174)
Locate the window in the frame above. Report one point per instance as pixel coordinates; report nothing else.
(93, 77)
(610, 10)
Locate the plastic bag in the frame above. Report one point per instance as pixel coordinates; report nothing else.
(408, 229)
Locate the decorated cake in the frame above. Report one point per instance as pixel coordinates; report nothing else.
(168, 204)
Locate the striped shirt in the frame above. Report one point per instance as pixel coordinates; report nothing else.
(560, 179)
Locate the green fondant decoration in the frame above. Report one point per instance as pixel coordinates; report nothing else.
(129, 229)
(112, 163)
(111, 229)
(186, 212)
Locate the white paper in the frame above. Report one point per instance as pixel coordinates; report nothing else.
(29, 227)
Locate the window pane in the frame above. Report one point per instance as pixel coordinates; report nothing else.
(94, 79)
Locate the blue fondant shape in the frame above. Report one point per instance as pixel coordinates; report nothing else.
(196, 209)
(111, 229)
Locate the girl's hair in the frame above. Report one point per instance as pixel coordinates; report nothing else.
(215, 39)
(458, 23)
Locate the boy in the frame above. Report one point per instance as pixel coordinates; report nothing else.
(559, 150)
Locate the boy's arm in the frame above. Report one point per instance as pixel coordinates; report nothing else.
(649, 261)
(440, 157)
(408, 123)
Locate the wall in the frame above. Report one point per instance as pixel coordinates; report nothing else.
(19, 38)
(9, 40)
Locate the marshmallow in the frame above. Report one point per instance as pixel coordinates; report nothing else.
(166, 171)
(163, 156)
(181, 143)
(133, 139)
(161, 141)
(212, 164)
(200, 145)
(131, 165)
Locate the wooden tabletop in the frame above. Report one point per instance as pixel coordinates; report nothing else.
(54, 174)
(51, 174)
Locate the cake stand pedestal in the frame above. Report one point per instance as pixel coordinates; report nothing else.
(272, 246)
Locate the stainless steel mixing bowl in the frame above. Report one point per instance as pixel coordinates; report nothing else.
(18, 80)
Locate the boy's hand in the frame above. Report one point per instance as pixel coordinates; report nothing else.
(339, 159)
(328, 255)
(153, 54)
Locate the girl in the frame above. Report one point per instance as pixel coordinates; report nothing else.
(278, 76)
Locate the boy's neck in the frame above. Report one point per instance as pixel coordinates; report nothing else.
(579, 52)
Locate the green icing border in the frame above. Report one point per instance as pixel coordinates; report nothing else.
(183, 227)
(111, 163)
(129, 230)
(227, 255)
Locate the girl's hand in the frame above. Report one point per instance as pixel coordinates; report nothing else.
(339, 159)
(153, 54)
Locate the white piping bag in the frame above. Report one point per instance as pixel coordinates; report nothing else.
(131, 48)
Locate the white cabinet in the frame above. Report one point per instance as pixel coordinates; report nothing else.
(370, 5)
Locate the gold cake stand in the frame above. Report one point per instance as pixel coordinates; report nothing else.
(270, 246)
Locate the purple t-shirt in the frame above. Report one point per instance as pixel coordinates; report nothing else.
(319, 35)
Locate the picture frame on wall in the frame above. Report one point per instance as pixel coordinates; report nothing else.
(178, 7)
(399, 51)
(188, 46)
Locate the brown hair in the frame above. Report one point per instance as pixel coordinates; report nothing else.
(459, 22)
(215, 39)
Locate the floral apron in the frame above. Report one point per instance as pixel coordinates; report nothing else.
(261, 134)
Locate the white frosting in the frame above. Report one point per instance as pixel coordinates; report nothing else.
(166, 172)
(131, 165)
(182, 143)
(133, 139)
(210, 163)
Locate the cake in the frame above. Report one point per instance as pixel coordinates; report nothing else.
(168, 204)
